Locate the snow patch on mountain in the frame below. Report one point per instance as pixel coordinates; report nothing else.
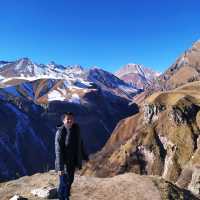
(1, 77)
(55, 95)
(75, 99)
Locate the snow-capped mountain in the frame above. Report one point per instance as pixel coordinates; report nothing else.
(58, 82)
(26, 68)
(34, 96)
(137, 75)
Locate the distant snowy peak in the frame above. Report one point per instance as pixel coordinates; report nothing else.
(75, 77)
(137, 75)
(137, 69)
(21, 67)
(55, 66)
(131, 68)
(26, 68)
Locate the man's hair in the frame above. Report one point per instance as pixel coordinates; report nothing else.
(66, 114)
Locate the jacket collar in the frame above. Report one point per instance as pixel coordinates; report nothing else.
(61, 126)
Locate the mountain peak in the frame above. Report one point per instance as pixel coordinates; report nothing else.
(54, 65)
(197, 41)
(23, 63)
(76, 66)
(130, 68)
(185, 69)
(196, 44)
(136, 74)
(25, 60)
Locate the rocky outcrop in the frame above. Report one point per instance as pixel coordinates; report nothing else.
(151, 112)
(194, 185)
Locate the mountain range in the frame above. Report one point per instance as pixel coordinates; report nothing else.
(32, 100)
(147, 123)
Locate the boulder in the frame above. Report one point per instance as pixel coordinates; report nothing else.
(45, 192)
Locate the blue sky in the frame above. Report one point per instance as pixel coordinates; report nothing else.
(104, 33)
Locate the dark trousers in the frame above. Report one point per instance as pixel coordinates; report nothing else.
(65, 182)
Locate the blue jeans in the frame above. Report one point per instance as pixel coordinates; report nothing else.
(65, 182)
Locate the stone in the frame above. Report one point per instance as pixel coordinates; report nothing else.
(17, 197)
(45, 192)
(194, 185)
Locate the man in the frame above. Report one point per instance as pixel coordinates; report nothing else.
(69, 152)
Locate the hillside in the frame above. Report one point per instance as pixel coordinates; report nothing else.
(162, 139)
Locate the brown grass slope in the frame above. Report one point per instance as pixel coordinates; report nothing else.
(163, 139)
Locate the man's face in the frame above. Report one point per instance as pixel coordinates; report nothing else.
(68, 120)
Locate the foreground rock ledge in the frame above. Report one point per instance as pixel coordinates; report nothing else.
(127, 186)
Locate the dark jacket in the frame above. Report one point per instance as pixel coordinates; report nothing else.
(69, 148)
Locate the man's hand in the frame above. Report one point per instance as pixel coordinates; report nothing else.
(60, 173)
(84, 162)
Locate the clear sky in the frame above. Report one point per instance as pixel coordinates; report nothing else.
(103, 33)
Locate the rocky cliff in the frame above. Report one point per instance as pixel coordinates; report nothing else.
(162, 139)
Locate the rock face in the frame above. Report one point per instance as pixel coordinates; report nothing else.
(128, 186)
(194, 185)
(162, 139)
